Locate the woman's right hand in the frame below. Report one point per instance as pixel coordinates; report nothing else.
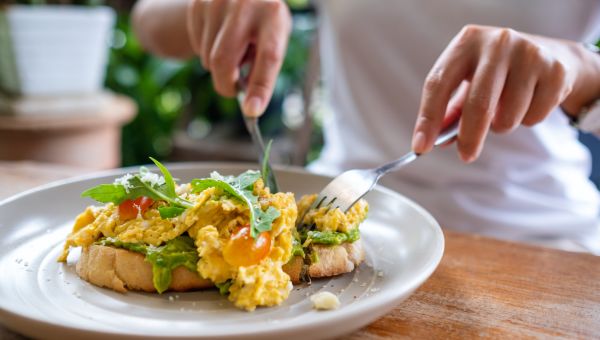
(222, 32)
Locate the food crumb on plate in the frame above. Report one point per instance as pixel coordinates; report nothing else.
(325, 301)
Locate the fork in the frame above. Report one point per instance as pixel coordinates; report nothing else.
(346, 189)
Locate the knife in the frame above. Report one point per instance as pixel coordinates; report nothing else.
(254, 131)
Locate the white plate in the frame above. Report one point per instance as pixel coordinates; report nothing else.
(44, 299)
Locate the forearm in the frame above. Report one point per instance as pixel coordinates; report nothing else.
(160, 25)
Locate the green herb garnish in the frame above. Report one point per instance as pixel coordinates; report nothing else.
(241, 188)
(144, 183)
(171, 211)
(268, 178)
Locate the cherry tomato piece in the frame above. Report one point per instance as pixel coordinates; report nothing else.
(243, 250)
(129, 209)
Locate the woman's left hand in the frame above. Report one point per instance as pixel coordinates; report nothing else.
(511, 78)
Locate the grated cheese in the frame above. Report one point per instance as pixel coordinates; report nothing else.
(124, 181)
(152, 178)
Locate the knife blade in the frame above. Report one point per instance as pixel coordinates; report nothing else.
(254, 131)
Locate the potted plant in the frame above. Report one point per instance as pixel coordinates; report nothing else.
(54, 47)
(53, 106)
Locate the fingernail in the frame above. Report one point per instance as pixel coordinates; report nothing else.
(468, 158)
(254, 107)
(419, 142)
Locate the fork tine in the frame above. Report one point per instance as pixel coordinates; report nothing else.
(342, 192)
(326, 201)
(318, 203)
(345, 205)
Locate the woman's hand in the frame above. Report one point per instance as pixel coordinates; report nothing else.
(508, 78)
(226, 33)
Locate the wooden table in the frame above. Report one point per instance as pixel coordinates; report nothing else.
(482, 288)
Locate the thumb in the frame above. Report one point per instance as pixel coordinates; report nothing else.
(254, 105)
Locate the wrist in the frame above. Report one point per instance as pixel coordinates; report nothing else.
(586, 88)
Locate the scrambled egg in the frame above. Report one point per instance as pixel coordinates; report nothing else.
(210, 222)
(262, 284)
(334, 219)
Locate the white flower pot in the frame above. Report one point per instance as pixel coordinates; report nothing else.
(55, 49)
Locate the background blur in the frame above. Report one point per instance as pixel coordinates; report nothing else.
(179, 106)
(179, 115)
(182, 118)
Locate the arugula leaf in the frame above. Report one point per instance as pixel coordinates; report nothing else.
(265, 164)
(245, 180)
(157, 193)
(264, 219)
(241, 188)
(144, 183)
(168, 212)
(117, 193)
(169, 182)
(106, 193)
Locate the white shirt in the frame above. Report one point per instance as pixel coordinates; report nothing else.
(530, 185)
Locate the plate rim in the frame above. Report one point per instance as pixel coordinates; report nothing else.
(352, 311)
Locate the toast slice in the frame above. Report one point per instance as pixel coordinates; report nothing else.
(333, 260)
(122, 270)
